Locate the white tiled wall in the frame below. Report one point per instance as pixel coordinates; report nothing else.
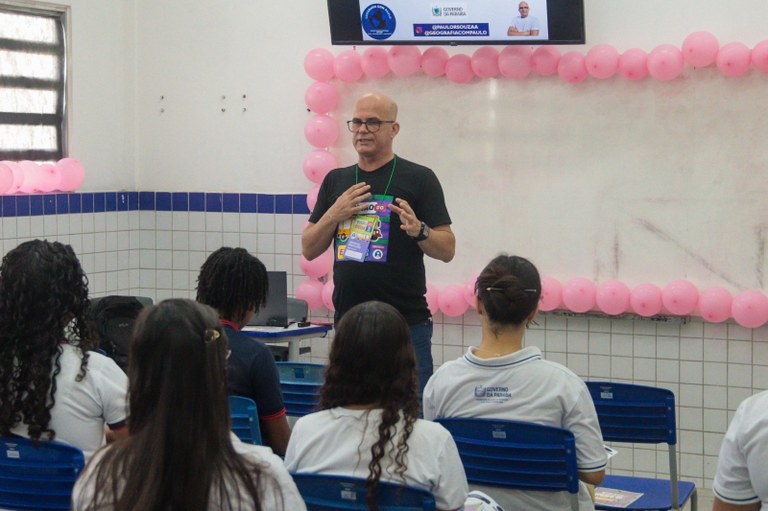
(709, 367)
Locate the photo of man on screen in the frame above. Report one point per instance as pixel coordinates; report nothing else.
(524, 24)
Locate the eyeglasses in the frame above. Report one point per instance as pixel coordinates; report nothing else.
(521, 8)
(372, 125)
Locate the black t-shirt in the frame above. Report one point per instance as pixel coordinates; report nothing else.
(400, 281)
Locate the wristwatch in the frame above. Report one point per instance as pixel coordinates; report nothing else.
(423, 233)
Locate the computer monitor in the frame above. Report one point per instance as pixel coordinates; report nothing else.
(275, 311)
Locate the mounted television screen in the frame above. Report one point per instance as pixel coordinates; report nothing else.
(454, 22)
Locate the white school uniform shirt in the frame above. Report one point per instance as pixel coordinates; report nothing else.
(741, 476)
(338, 442)
(277, 490)
(82, 408)
(524, 387)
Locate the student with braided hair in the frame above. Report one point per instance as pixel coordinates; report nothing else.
(369, 425)
(54, 386)
(501, 379)
(234, 282)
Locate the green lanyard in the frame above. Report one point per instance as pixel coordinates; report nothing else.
(394, 164)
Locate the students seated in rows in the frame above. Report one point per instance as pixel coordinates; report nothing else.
(525, 386)
(180, 453)
(369, 425)
(741, 481)
(54, 388)
(234, 282)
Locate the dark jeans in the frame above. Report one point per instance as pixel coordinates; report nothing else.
(421, 336)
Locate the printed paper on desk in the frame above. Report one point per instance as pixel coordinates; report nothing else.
(615, 498)
(360, 237)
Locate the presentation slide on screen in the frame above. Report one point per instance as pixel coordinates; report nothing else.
(423, 21)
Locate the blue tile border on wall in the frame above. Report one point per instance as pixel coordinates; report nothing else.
(99, 202)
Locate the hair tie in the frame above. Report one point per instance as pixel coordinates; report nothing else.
(211, 335)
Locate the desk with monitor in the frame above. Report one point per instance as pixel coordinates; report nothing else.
(292, 334)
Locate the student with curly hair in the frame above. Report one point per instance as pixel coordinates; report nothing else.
(369, 425)
(54, 387)
(234, 282)
(525, 386)
(181, 454)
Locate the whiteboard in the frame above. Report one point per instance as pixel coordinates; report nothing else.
(638, 181)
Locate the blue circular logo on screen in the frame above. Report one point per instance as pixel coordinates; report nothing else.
(378, 21)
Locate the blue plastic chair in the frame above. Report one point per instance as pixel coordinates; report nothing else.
(641, 414)
(37, 477)
(517, 455)
(300, 383)
(245, 419)
(332, 493)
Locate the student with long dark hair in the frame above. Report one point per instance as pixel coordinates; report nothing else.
(525, 386)
(234, 282)
(54, 387)
(181, 454)
(369, 425)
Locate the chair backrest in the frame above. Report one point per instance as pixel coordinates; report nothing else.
(331, 493)
(518, 455)
(638, 414)
(245, 419)
(300, 383)
(634, 413)
(37, 477)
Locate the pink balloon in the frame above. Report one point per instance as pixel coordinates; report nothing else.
(312, 197)
(458, 69)
(645, 300)
(680, 297)
(49, 179)
(750, 309)
(451, 301)
(72, 174)
(32, 176)
(317, 267)
(665, 62)
(715, 304)
(317, 164)
(551, 294)
(6, 179)
(433, 61)
(375, 62)
(602, 61)
(318, 64)
(311, 291)
(760, 56)
(612, 297)
(469, 290)
(404, 60)
(545, 59)
(321, 97)
(327, 295)
(734, 59)
(348, 67)
(515, 62)
(700, 49)
(579, 294)
(18, 176)
(572, 67)
(321, 131)
(633, 64)
(485, 62)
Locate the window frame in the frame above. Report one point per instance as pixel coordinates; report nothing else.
(64, 87)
